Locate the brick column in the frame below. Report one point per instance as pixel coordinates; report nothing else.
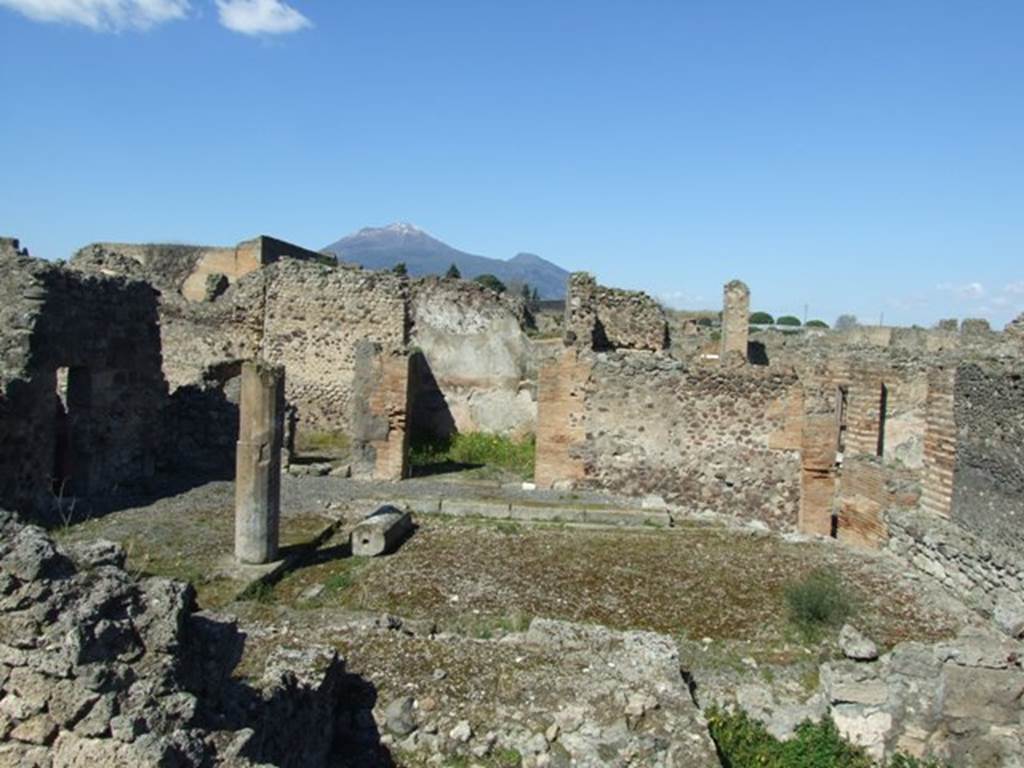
(258, 463)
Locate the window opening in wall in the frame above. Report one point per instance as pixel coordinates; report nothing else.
(834, 529)
(72, 401)
(61, 436)
(883, 404)
(842, 408)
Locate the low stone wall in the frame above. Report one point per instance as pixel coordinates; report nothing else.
(986, 576)
(103, 668)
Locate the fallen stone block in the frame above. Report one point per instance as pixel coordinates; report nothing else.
(381, 532)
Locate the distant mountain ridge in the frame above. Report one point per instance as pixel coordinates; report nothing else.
(423, 254)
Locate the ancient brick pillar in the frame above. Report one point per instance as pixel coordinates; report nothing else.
(258, 463)
(380, 408)
(735, 320)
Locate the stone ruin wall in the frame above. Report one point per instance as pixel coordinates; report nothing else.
(988, 487)
(477, 368)
(80, 386)
(601, 318)
(101, 667)
(703, 439)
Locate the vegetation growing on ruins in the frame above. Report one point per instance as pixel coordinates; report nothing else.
(818, 601)
(745, 743)
(329, 443)
(815, 324)
(478, 449)
(490, 281)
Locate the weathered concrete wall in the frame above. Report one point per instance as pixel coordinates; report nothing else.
(601, 318)
(476, 371)
(90, 429)
(988, 485)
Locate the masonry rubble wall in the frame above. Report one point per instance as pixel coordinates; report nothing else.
(988, 485)
(986, 575)
(704, 439)
(80, 382)
(603, 318)
(100, 667)
(295, 311)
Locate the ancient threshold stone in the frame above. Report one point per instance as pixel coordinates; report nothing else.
(258, 463)
(381, 532)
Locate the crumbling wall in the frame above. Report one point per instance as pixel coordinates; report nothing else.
(196, 272)
(601, 318)
(80, 386)
(705, 439)
(313, 319)
(476, 371)
(988, 484)
(987, 575)
(103, 668)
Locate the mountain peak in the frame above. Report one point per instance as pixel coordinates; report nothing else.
(423, 254)
(400, 229)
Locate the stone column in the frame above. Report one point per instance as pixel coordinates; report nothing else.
(735, 320)
(258, 463)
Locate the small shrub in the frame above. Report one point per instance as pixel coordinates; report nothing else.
(818, 601)
(490, 281)
(745, 743)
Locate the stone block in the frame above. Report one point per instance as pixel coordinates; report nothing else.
(500, 510)
(381, 532)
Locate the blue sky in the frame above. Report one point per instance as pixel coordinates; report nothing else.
(863, 157)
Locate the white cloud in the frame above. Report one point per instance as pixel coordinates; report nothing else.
(1015, 289)
(260, 17)
(966, 291)
(102, 15)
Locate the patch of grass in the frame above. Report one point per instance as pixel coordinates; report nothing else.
(259, 592)
(328, 443)
(817, 602)
(478, 448)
